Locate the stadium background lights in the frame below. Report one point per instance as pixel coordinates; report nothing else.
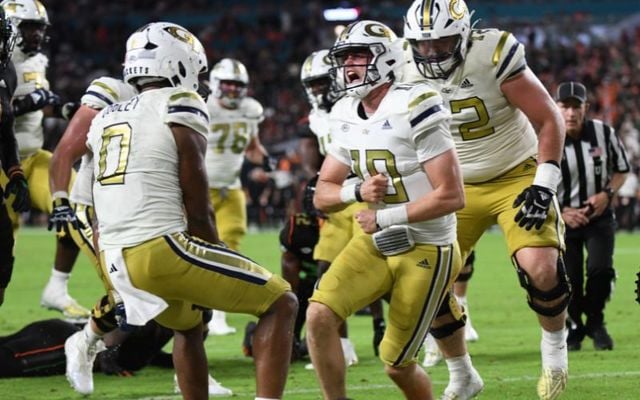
(341, 14)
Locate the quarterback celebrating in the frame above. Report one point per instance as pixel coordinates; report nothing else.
(396, 139)
(510, 175)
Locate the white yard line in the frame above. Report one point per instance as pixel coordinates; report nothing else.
(356, 388)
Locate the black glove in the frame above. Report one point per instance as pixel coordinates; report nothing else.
(63, 215)
(535, 201)
(36, 100)
(18, 187)
(307, 199)
(66, 110)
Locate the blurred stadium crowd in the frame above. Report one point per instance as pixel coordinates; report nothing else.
(593, 42)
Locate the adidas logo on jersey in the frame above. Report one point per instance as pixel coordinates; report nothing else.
(113, 269)
(386, 125)
(466, 84)
(424, 264)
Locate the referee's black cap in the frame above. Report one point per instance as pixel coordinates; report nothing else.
(574, 90)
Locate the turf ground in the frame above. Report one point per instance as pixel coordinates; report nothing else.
(506, 354)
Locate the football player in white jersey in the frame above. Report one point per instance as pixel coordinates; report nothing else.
(233, 135)
(33, 100)
(509, 135)
(395, 137)
(157, 239)
(76, 209)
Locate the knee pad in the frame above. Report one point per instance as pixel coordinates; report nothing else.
(449, 306)
(561, 290)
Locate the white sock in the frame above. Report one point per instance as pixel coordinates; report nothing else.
(59, 276)
(91, 336)
(553, 348)
(459, 367)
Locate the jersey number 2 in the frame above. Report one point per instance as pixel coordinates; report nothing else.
(477, 128)
(116, 139)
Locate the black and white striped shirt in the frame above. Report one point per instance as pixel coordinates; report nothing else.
(588, 162)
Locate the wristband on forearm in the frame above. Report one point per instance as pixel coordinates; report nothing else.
(548, 175)
(392, 216)
(348, 194)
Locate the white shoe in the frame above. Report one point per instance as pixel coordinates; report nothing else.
(349, 351)
(552, 383)
(432, 354)
(464, 389)
(470, 334)
(55, 299)
(80, 356)
(215, 388)
(218, 324)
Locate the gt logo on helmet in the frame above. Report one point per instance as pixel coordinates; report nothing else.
(377, 30)
(181, 34)
(457, 9)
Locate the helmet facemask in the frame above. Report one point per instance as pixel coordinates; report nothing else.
(357, 79)
(439, 61)
(31, 36)
(231, 92)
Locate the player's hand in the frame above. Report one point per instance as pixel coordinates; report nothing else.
(367, 220)
(17, 186)
(374, 188)
(63, 215)
(534, 203)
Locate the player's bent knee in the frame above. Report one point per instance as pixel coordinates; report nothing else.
(558, 296)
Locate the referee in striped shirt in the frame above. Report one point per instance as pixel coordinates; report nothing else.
(594, 166)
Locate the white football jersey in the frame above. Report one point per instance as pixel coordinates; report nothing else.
(136, 192)
(31, 73)
(230, 132)
(492, 136)
(409, 128)
(319, 125)
(101, 93)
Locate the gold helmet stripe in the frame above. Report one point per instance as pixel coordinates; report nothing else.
(236, 67)
(40, 7)
(426, 13)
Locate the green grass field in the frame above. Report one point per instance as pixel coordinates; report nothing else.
(506, 354)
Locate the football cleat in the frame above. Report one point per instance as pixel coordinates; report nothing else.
(349, 351)
(218, 324)
(61, 301)
(432, 354)
(215, 388)
(601, 338)
(80, 356)
(464, 389)
(552, 383)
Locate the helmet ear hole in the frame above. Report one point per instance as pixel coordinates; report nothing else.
(181, 69)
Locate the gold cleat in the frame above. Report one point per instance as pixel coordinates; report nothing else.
(552, 383)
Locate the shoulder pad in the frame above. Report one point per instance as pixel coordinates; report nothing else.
(497, 50)
(252, 108)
